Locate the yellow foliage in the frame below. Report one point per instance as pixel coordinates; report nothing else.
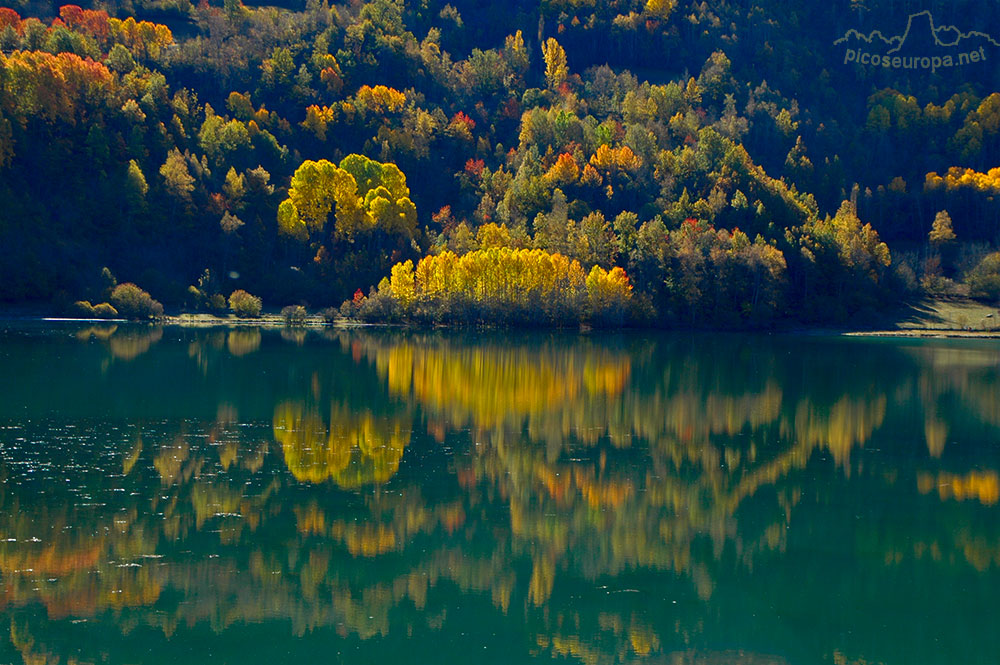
(590, 177)
(660, 8)
(556, 69)
(959, 178)
(367, 195)
(501, 278)
(609, 159)
(403, 283)
(380, 99)
(608, 292)
(317, 120)
(142, 38)
(564, 172)
(492, 235)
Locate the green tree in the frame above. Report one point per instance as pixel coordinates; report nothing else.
(135, 187)
(984, 279)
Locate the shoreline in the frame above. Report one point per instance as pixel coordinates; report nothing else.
(928, 318)
(276, 321)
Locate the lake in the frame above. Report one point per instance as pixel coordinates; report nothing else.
(171, 495)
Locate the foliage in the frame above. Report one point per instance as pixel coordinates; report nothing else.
(272, 142)
(294, 315)
(984, 279)
(134, 303)
(104, 310)
(244, 305)
(504, 285)
(330, 314)
(365, 195)
(941, 230)
(83, 309)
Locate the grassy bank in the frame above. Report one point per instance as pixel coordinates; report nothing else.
(959, 315)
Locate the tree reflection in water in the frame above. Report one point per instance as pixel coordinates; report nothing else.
(679, 499)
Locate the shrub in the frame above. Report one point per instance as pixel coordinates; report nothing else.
(83, 309)
(939, 285)
(330, 314)
(134, 303)
(195, 298)
(380, 305)
(906, 278)
(294, 315)
(217, 304)
(105, 311)
(984, 279)
(243, 304)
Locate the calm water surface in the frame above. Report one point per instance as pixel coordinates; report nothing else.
(244, 496)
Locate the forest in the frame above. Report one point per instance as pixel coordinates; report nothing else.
(630, 162)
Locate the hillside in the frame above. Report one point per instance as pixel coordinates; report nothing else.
(740, 163)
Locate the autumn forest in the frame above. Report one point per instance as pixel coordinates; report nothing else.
(631, 162)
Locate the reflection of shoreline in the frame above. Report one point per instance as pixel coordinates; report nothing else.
(685, 464)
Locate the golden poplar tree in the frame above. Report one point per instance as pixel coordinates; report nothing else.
(556, 69)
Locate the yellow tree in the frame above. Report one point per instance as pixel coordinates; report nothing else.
(367, 194)
(556, 69)
(660, 9)
(941, 230)
(565, 171)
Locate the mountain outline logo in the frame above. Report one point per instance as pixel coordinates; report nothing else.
(923, 45)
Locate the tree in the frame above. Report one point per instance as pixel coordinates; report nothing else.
(135, 186)
(839, 264)
(120, 59)
(564, 172)
(244, 305)
(984, 279)
(661, 9)
(176, 177)
(234, 188)
(941, 230)
(230, 223)
(556, 69)
(363, 194)
(134, 303)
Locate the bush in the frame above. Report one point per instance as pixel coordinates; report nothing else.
(83, 309)
(217, 304)
(134, 303)
(939, 285)
(906, 278)
(243, 304)
(294, 315)
(984, 279)
(105, 311)
(380, 306)
(330, 314)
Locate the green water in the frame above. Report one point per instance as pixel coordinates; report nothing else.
(176, 496)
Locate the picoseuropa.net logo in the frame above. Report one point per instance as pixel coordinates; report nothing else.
(922, 46)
